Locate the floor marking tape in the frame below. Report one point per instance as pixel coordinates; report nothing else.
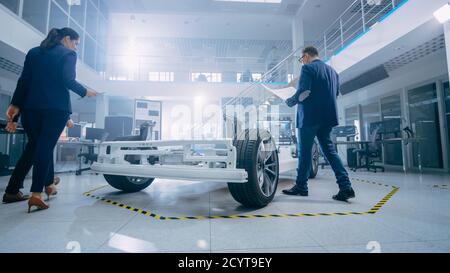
(150, 214)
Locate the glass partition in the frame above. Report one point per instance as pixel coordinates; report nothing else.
(447, 110)
(352, 118)
(370, 115)
(424, 116)
(391, 112)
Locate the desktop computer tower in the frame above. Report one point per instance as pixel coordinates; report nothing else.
(118, 127)
(352, 160)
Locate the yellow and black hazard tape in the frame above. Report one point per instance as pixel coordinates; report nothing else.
(383, 201)
(373, 210)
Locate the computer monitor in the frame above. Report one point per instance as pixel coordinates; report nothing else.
(344, 131)
(95, 134)
(74, 132)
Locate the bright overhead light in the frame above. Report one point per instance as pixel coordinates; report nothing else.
(443, 14)
(253, 1)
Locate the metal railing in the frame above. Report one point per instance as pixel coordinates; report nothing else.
(355, 21)
(270, 109)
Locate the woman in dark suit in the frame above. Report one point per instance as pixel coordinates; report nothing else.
(43, 100)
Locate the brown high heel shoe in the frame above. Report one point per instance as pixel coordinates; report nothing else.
(51, 191)
(36, 202)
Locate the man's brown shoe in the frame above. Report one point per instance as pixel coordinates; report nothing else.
(12, 198)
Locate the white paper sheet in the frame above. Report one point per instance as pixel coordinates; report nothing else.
(288, 92)
(282, 93)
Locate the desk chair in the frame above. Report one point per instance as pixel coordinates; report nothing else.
(369, 153)
(145, 134)
(90, 157)
(349, 132)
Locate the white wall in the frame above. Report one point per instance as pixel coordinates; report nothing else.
(409, 17)
(298, 38)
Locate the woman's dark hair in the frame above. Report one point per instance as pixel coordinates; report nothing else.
(55, 36)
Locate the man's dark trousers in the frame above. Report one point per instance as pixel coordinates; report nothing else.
(307, 136)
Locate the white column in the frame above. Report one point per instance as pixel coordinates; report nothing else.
(298, 39)
(442, 115)
(447, 43)
(101, 110)
(442, 123)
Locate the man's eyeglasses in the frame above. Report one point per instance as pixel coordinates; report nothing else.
(301, 58)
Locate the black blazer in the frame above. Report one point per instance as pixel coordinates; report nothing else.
(320, 108)
(46, 79)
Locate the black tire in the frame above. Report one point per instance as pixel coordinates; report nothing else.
(315, 161)
(251, 194)
(127, 183)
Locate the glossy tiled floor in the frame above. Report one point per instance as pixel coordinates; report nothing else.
(416, 219)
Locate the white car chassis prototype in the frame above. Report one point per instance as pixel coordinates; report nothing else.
(248, 164)
(197, 160)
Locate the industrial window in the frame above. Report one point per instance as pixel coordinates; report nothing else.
(63, 4)
(240, 77)
(78, 11)
(161, 76)
(12, 5)
(58, 19)
(35, 12)
(80, 31)
(91, 20)
(206, 77)
(89, 52)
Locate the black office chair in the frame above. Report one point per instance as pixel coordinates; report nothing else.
(370, 154)
(90, 157)
(145, 133)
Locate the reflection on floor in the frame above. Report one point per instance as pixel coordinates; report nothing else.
(415, 219)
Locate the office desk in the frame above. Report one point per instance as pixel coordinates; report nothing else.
(405, 142)
(364, 145)
(13, 148)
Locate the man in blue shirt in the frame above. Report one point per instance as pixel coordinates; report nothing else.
(317, 114)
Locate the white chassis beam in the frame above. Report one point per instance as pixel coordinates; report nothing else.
(196, 160)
